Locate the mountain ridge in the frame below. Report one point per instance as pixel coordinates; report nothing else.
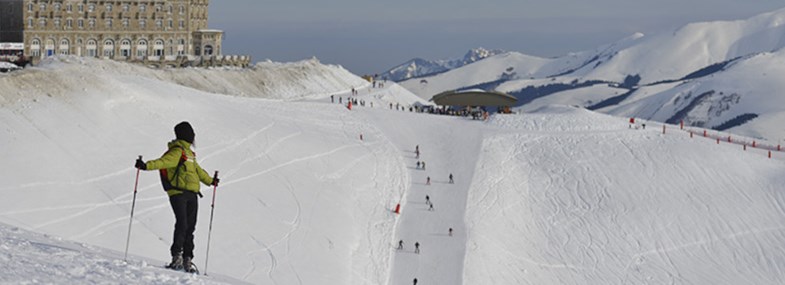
(688, 56)
(419, 67)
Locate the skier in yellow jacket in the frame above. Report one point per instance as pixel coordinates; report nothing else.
(180, 176)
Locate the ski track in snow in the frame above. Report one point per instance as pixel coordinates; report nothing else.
(288, 163)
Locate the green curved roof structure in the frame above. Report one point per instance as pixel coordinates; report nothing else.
(474, 98)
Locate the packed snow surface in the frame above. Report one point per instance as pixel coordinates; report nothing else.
(559, 195)
(32, 258)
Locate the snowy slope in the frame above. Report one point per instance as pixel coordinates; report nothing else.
(563, 202)
(556, 196)
(32, 258)
(751, 86)
(303, 199)
(674, 55)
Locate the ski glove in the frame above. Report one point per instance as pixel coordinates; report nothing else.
(215, 181)
(140, 164)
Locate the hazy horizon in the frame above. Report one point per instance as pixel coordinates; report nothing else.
(369, 38)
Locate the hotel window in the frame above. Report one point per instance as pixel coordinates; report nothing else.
(30, 7)
(69, 23)
(36, 47)
(108, 7)
(142, 8)
(91, 23)
(69, 8)
(57, 7)
(64, 47)
(91, 8)
(42, 22)
(42, 7)
(159, 24)
(142, 23)
(182, 24)
(109, 23)
(80, 8)
(80, 23)
(126, 8)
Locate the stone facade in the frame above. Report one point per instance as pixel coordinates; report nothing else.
(134, 30)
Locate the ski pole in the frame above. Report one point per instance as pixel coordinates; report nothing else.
(131, 221)
(210, 229)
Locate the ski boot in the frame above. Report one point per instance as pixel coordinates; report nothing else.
(177, 263)
(188, 266)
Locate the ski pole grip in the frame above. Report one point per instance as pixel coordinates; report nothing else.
(140, 157)
(216, 174)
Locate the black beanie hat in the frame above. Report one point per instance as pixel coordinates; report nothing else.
(183, 131)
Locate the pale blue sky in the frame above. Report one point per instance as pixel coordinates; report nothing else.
(371, 36)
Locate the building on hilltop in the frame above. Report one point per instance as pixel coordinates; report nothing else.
(132, 30)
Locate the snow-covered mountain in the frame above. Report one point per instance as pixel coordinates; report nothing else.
(558, 195)
(716, 74)
(419, 67)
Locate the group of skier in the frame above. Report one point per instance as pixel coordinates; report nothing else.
(428, 202)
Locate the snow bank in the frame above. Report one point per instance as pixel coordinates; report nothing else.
(306, 79)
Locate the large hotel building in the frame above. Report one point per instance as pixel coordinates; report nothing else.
(115, 29)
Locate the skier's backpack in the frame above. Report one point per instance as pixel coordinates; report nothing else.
(165, 182)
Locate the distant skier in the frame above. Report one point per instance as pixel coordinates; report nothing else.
(423, 165)
(427, 200)
(428, 181)
(400, 245)
(417, 153)
(417, 148)
(451, 181)
(418, 164)
(430, 208)
(415, 281)
(340, 100)
(417, 247)
(181, 182)
(332, 98)
(450, 233)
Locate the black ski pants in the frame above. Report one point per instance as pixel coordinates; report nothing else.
(185, 207)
